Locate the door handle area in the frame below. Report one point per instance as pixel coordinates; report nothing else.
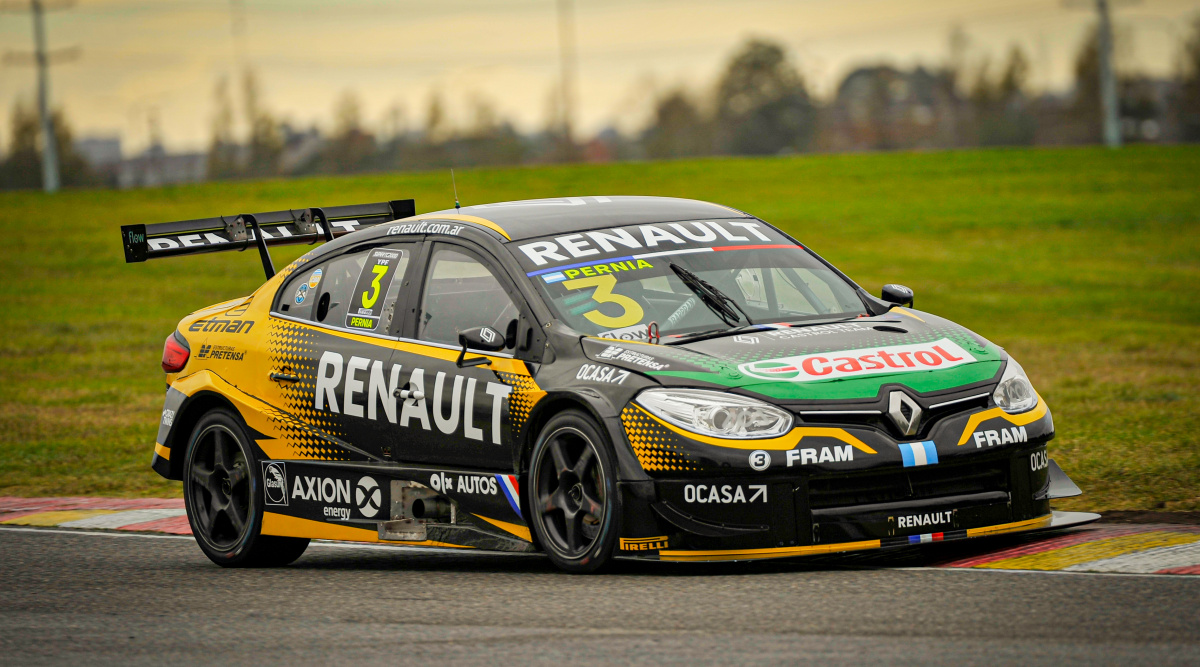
(284, 377)
(405, 394)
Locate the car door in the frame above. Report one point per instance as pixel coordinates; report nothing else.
(457, 416)
(330, 349)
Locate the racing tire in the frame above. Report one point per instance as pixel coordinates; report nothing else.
(573, 499)
(223, 495)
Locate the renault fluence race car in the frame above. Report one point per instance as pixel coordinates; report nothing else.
(591, 377)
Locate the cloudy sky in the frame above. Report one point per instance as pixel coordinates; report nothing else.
(144, 58)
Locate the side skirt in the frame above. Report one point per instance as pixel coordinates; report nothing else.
(386, 502)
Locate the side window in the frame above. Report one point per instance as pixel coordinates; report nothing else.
(354, 291)
(460, 293)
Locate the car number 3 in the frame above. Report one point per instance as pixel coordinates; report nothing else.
(379, 270)
(631, 311)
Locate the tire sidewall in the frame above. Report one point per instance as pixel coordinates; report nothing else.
(602, 549)
(242, 550)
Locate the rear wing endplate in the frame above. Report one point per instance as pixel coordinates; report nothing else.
(238, 232)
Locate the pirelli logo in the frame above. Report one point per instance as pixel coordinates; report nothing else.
(643, 543)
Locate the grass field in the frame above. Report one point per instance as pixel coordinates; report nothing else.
(1084, 264)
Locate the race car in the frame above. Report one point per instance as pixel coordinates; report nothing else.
(595, 378)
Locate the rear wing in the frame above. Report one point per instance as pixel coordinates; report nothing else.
(238, 232)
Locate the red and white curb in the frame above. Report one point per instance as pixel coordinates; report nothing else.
(154, 515)
(1125, 549)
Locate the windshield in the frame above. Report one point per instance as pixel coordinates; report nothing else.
(614, 282)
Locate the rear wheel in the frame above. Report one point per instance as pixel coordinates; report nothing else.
(573, 500)
(222, 491)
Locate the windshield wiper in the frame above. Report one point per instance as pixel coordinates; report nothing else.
(716, 300)
(713, 333)
(721, 333)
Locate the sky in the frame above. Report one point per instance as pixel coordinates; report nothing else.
(162, 59)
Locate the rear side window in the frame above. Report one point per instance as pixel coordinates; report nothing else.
(355, 291)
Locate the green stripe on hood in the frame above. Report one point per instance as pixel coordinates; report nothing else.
(853, 387)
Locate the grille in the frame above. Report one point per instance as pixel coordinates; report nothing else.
(913, 484)
(880, 421)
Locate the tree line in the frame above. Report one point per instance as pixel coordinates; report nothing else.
(760, 104)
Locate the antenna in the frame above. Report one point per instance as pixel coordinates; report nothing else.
(455, 186)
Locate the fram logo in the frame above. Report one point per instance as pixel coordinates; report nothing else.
(936, 355)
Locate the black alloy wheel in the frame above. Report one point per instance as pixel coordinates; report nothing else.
(573, 500)
(223, 497)
(220, 487)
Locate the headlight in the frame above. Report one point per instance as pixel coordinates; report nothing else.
(1014, 393)
(716, 414)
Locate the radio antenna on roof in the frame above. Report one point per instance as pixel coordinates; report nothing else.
(455, 186)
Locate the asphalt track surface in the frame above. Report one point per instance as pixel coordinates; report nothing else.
(91, 597)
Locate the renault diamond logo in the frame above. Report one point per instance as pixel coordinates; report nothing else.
(905, 412)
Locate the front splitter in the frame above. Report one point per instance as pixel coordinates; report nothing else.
(1052, 521)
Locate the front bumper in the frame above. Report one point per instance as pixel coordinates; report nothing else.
(743, 517)
(1052, 521)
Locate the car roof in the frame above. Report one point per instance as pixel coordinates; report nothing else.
(538, 217)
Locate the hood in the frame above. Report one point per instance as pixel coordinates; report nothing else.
(839, 361)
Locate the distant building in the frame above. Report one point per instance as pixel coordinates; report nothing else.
(156, 167)
(885, 108)
(100, 153)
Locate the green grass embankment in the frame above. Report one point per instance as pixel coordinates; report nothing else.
(1083, 263)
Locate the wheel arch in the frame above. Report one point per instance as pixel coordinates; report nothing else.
(195, 407)
(543, 412)
(606, 417)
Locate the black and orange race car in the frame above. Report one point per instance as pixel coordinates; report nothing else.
(591, 377)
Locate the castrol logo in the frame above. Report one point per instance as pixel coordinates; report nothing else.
(935, 355)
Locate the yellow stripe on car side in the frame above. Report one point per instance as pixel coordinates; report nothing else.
(520, 531)
(503, 364)
(755, 554)
(781, 443)
(474, 219)
(162, 451)
(1022, 419)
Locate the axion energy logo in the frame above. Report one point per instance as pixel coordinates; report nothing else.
(887, 360)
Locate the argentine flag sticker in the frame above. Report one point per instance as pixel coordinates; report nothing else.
(918, 453)
(554, 277)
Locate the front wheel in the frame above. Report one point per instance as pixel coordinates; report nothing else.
(222, 491)
(573, 500)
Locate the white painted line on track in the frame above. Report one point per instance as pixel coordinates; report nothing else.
(126, 518)
(1060, 572)
(21, 529)
(1145, 562)
(315, 543)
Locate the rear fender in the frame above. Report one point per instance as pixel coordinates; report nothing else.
(275, 434)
